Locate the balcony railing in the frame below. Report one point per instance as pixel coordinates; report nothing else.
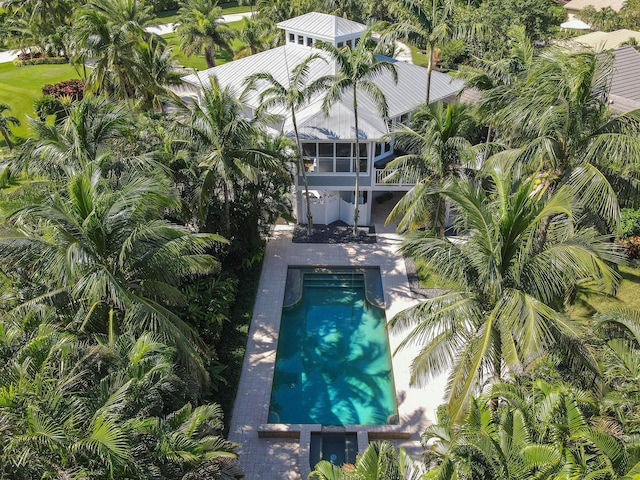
(407, 180)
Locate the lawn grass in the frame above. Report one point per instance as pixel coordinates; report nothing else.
(171, 16)
(197, 61)
(429, 278)
(21, 86)
(417, 57)
(587, 303)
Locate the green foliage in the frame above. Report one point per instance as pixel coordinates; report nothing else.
(453, 53)
(41, 61)
(629, 222)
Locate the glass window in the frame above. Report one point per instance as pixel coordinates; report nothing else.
(300, 39)
(363, 150)
(310, 149)
(379, 149)
(349, 43)
(363, 166)
(309, 42)
(343, 150)
(292, 37)
(340, 44)
(325, 165)
(325, 149)
(343, 164)
(309, 164)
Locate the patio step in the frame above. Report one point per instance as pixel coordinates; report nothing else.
(334, 280)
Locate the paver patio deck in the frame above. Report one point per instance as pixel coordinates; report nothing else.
(283, 458)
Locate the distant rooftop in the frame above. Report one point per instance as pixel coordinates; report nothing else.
(625, 88)
(606, 40)
(322, 25)
(577, 5)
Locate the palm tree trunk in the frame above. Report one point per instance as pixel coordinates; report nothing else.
(227, 209)
(429, 69)
(303, 171)
(210, 57)
(356, 212)
(6, 139)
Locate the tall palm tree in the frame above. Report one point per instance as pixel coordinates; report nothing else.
(292, 97)
(512, 281)
(108, 32)
(436, 154)
(356, 68)
(257, 35)
(224, 142)
(107, 259)
(425, 23)
(5, 124)
(559, 116)
(200, 29)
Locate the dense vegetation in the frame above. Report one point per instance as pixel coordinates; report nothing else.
(128, 229)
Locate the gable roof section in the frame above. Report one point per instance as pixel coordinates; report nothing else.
(322, 25)
(407, 95)
(578, 5)
(606, 40)
(625, 87)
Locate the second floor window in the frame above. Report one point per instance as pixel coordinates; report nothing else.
(333, 157)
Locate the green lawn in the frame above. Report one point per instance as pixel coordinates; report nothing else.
(430, 279)
(588, 303)
(197, 61)
(19, 87)
(171, 16)
(417, 56)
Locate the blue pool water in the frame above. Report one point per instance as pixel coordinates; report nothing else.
(333, 365)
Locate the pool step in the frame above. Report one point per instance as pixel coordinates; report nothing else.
(334, 280)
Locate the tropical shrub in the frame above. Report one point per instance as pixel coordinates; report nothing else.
(40, 61)
(453, 53)
(73, 88)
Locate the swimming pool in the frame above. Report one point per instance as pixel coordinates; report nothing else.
(333, 365)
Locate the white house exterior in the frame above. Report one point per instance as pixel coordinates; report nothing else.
(328, 141)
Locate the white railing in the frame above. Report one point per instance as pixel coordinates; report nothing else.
(399, 181)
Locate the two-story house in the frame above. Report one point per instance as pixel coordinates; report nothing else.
(328, 140)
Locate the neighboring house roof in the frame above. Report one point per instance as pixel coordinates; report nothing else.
(606, 40)
(322, 25)
(625, 87)
(577, 5)
(408, 94)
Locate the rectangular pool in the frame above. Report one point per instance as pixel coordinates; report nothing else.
(333, 365)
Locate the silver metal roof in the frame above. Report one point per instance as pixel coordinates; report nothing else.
(403, 97)
(625, 87)
(322, 25)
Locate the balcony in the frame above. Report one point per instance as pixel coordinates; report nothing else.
(403, 182)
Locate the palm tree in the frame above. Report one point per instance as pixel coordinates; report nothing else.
(511, 282)
(223, 139)
(292, 97)
(535, 429)
(257, 35)
(379, 461)
(107, 260)
(82, 139)
(425, 23)
(436, 154)
(5, 122)
(559, 116)
(356, 67)
(108, 33)
(200, 29)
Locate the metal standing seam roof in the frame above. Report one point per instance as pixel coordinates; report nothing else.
(403, 97)
(322, 25)
(625, 87)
